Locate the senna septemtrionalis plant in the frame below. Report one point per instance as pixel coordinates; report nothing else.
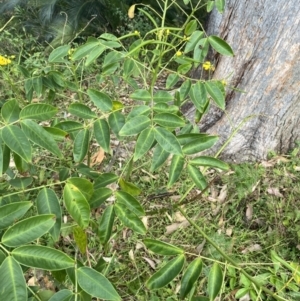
(33, 205)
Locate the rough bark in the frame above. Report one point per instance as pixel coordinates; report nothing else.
(265, 36)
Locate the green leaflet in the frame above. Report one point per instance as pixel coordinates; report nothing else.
(220, 4)
(102, 134)
(28, 230)
(40, 136)
(169, 120)
(63, 295)
(11, 212)
(162, 248)
(100, 99)
(215, 280)
(190, 27)
(162, 96)
(144, 143)
(129, 187)
(42, 258)
(159, 157)
(219, 44)
(199, 144)
(57, 55)
(10, 111)
(48, 203)
(77, 205)
(116, 121)
(198, 95)
(81, 110)
(210, 162)
(126, 200)
(12, 282)
(105, 179)
(83, 185)
(167, 141)
(176, 167)
(17, 141)
(85, 49)
(80, 238)
(172, 80)
(197, 176)
(21, 183)
(135, 125)
(193, 40)
(129, 219)
(105, 224)
(167, 273)
(139, 110)
(185, 89)
(190, 277)
(95, 284)
(141, 95)
(99, 196)
(216, 93)
(81, 145)
(69, 126)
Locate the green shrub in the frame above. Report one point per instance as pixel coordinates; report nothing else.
(59, 123)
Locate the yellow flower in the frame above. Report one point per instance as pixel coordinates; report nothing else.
(167, 32)
(208, 66)
(185, 38)
(4, 61)
(12, 57)
(178, 53)
(136, 32)
(223, 81)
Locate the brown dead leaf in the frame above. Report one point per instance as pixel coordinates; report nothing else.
(254, 186)
(201, 246)
(175, 198)
(215, 210)
(249, 212)
(252, 248)
(245, 298)
(32, 281)
(150, 174)
(139, 246)
(131, 255)
(178, 217)
(98, 157)
(223, 194)
(274, 191)
(229, 231)
(173, 227)
(145, 221)
(274, 161)
(150, 262)
(267, 164)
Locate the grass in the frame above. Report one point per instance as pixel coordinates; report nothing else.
(248, 212)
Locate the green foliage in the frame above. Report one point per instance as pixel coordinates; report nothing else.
(63, 115)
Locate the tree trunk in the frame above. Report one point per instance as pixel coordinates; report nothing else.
(265, 36)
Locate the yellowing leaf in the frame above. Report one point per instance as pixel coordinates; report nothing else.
(131, 11)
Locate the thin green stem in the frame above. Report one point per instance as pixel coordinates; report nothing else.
(232, 135)
(34, 188)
